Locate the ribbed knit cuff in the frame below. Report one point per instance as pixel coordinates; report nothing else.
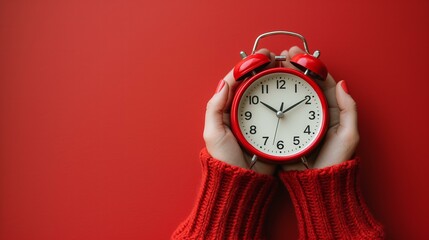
(329, 205)
(232, 203)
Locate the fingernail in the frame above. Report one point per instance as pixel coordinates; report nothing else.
(344, 86)
(220, 85)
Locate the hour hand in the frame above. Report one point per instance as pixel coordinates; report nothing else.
(268, 106)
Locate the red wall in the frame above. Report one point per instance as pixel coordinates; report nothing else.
(102, 105)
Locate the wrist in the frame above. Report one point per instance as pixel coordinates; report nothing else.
(328, 202)
(232, 202)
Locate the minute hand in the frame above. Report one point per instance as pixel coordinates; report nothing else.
(296, 104)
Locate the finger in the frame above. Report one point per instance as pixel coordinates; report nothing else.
(287, 62)
(214, 119)
(230, 81)
(295, 50)
(348, 111)
(272, 57)
(330, 95)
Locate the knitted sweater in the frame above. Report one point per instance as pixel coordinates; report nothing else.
(232, 203)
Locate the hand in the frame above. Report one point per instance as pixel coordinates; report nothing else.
(342, 136)
(220, 141)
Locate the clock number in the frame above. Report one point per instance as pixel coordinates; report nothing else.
(280, 145)
(296, 140)
(252, 129)
(308, 99)
(253, 100)
(281, 84)
(296, 88)
(264, 88)
(266, 140)
(312, 115)
(247, 115)
(307, 129)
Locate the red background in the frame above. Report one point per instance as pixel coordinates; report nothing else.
(102, 106)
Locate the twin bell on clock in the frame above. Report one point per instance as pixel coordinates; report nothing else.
(279, 114)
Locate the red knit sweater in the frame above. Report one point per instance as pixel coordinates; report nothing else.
(233, 202)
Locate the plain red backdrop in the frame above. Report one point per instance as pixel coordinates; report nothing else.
(102, 106)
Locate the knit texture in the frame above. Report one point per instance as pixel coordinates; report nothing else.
(231, 204)
(329, 205)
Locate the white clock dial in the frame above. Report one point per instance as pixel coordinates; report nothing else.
(280, 114)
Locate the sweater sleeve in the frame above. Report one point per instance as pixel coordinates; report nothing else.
(329, 205)
(231, 204)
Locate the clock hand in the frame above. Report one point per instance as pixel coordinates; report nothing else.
(296, 104)
(268, 106)
(279, 115)
(275, 133)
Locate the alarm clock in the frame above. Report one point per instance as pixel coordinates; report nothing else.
(279, 114)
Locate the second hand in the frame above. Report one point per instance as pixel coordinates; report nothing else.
(278, 121)
(275, 133)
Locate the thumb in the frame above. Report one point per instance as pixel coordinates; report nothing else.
(348, 110)
(214, 112)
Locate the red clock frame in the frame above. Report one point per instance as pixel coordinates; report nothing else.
(249, 147)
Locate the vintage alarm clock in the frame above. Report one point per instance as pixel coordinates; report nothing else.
(279, 114)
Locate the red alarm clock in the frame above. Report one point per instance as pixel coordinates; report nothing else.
(279, 114)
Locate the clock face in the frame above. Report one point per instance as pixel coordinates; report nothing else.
(280, 114)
